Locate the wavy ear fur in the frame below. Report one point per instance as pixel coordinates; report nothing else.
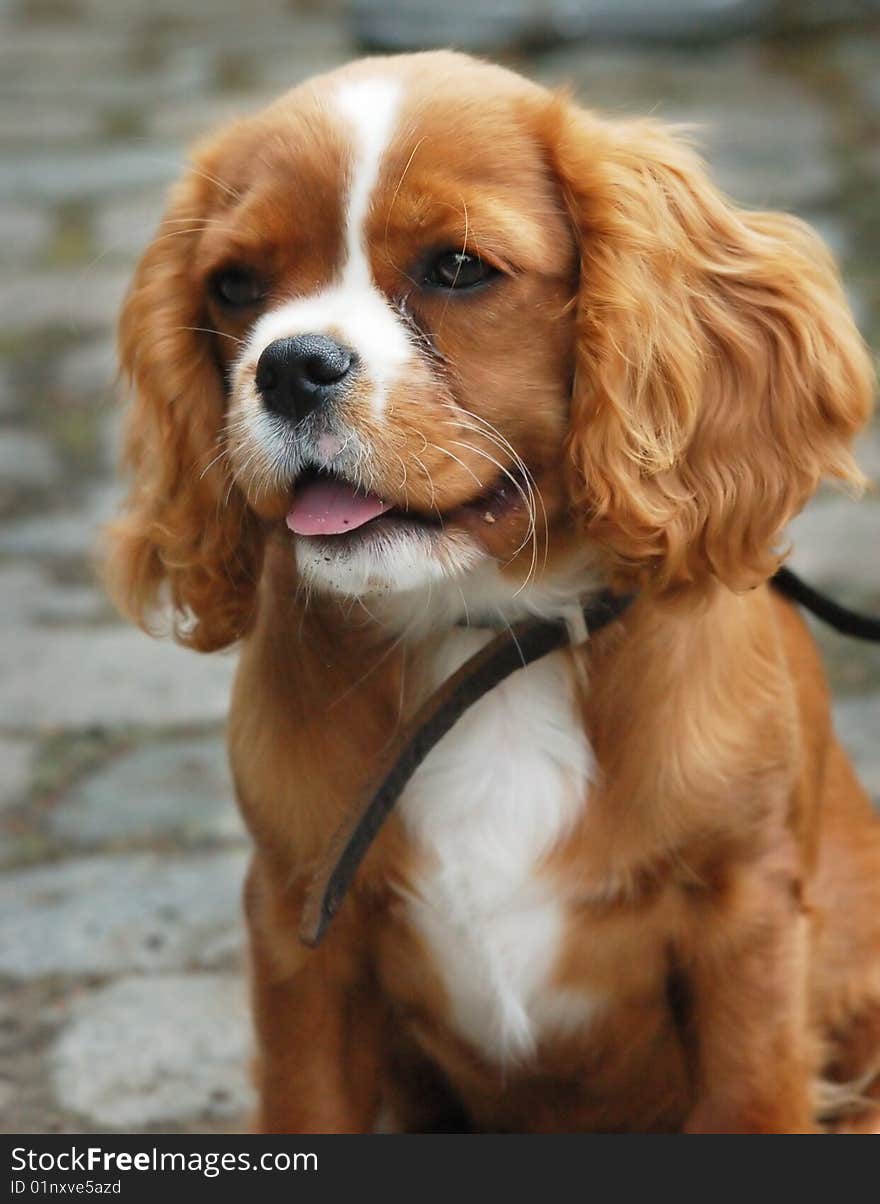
(185, 537)
(719, 374)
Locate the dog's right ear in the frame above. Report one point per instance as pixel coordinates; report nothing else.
(185, 537)
(719, 374)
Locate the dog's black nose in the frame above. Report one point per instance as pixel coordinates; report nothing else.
(295, 375)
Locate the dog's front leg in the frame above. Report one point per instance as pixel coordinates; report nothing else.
(754, 1060)
(318, 1022)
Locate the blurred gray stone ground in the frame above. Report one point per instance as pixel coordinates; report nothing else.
(120, 942)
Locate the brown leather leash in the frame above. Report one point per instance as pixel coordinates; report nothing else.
(511, 649)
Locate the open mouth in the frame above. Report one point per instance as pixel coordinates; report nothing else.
(326, 505)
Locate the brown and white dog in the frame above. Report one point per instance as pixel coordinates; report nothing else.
(422, 349)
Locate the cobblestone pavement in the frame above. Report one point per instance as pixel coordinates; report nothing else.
(120, 943)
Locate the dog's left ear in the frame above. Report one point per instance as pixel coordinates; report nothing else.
(185, 536)
(718, 371)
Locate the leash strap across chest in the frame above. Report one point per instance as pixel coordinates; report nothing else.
(510, 650)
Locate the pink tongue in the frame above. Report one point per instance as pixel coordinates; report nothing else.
(327, 507)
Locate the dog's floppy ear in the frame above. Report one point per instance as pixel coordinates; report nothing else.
(719, 375)
(185, 538)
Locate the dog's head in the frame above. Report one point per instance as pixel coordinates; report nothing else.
(422, 319)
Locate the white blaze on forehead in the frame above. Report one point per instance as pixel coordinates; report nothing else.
(353, 309)
(369, 106)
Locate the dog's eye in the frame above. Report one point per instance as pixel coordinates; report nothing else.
(237, 287)
(458, 269)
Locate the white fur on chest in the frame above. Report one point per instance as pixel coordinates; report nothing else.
(495, 795)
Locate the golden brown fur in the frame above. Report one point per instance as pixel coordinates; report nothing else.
(678, 375)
